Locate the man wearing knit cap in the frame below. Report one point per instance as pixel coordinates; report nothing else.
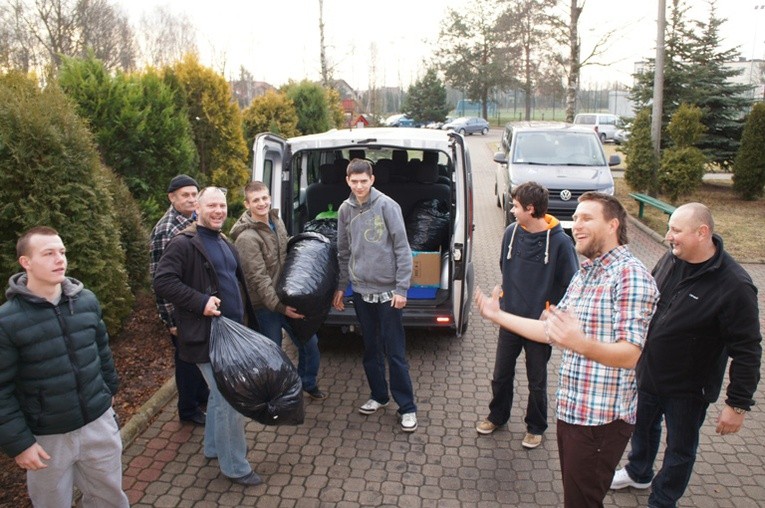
(192, 389)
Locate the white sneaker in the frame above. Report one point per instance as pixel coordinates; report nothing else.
(622, 480)
(370, 407)
(409, 422)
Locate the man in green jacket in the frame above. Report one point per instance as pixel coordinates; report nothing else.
(57, 381)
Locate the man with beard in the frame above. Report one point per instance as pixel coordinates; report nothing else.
(600, 324)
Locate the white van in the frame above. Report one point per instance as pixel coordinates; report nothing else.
(606, 124)
(306, 176)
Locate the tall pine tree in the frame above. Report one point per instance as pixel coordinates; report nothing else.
(695, 72)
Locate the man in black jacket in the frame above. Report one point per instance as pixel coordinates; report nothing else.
(707, 313)
(201, 275)
(57, 381)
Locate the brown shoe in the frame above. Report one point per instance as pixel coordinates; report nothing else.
(531, 441)
(486, 427)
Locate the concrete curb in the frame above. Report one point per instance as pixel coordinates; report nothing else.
(645, 229)
(141, 420)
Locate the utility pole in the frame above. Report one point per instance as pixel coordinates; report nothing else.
(658, 84)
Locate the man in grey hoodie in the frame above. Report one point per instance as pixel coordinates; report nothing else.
(373, 253)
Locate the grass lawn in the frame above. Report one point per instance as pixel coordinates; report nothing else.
(739, 223)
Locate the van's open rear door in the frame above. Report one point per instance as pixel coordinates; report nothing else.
(268, 165)
(462, 244)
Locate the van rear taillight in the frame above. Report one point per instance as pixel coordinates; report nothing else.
(443, 320)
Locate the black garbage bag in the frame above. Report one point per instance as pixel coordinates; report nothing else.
(326, 227)
(427, 226)
(308, 281)
(254, 375)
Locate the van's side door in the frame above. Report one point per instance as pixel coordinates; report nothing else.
(268, 164)
(462, 242)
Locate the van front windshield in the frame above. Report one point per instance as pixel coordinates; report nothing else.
(558, 149)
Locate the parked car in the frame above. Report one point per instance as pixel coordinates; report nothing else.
(603, 124)
(399, 120)
(621, 136)
(467, 125)
(306, 176)
(566, 159)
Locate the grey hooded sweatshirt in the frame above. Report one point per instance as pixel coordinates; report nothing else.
(372, 248)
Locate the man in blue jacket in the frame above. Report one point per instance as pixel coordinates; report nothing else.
(707, 313)
(57, 381)
(538, 261)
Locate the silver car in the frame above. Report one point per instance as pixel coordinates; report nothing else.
(467, 125)
(566, 159)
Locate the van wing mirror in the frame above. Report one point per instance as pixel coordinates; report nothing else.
(500, 158)
(613, 160)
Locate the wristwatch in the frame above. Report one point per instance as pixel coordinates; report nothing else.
(739, 410)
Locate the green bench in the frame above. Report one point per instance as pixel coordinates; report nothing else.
(644, 199)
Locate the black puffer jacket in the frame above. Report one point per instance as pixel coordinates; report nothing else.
(56, 368)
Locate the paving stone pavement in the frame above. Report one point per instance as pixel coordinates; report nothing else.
(339, 458)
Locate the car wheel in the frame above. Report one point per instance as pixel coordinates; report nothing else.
(462, 131)
(509, 217)
(485, 131)
(602, 137)
(496, 193)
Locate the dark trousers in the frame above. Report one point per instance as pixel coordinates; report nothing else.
(192, 388)
(383, 334)
(684, 417)
(509, 347)
(588, 459)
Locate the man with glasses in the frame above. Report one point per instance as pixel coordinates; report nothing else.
(200, 273)
(192, 389)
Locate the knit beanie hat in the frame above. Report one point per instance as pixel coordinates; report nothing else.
(181, 181)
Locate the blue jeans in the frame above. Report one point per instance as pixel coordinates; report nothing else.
(684, 417)
(224, 431)
(509, 347)
(271, 324)
(383, 334)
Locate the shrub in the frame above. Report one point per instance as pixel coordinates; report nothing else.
(49, 175)
(641, 159)
(749, 166)
(682, 165)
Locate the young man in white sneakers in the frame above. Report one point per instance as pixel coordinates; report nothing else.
(370, 228)
(537, 261)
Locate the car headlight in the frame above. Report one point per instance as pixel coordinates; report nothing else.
(608, 190)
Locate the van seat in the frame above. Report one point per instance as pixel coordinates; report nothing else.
(331, 189)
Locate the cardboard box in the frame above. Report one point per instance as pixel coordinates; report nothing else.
(426, 268)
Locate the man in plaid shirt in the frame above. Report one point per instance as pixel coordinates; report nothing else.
(601, 325)
(192, 389)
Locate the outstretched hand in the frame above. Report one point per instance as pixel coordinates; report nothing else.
(488, 306)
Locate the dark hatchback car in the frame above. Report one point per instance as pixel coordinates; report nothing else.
(566, 159)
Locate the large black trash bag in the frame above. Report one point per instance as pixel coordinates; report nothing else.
(326, 227)
(308, 281)
(427, 226)
(254, 375)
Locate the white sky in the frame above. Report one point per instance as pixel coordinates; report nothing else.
(279, 40)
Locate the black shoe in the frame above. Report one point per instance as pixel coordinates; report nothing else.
(196, 419)
(316, 394)
(249, 480)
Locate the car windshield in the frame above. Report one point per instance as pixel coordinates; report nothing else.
(558, 149)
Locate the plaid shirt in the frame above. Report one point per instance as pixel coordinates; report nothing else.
(614, 298)
(172, 223)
